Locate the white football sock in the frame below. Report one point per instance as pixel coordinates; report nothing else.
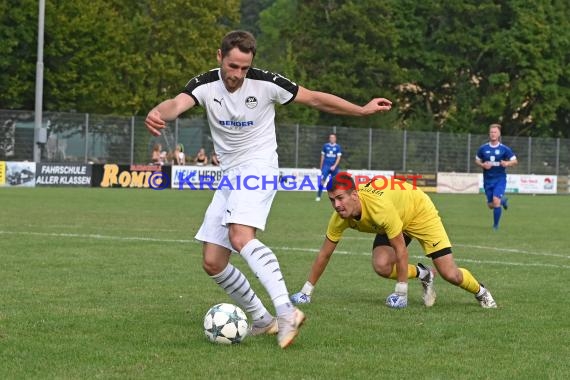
(421, 272)
(238, 288)
(264, 264)
(481, 291)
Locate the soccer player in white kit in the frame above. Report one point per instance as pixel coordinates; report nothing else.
(240, 103)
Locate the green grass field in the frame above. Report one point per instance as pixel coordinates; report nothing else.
(107, 283)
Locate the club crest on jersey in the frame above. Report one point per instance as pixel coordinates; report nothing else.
(251, 102)
(497, 151)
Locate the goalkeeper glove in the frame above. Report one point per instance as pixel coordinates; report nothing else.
(300, 298)
(398, 299)
(304, 296)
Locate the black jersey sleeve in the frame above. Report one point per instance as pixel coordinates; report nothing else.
(200, 80)
(278, 79)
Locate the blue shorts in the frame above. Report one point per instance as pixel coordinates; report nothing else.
(326, 171)
(495, 189)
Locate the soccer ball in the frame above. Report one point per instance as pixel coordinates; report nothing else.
(225, 323)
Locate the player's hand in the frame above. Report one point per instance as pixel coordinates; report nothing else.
(154, 122)
(300, 298)
(377, 105)
(397, 301)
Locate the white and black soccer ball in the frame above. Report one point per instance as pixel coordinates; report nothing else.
(225, 323)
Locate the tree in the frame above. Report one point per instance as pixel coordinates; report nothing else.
(334, 47)
(118, 57)
(18, 46)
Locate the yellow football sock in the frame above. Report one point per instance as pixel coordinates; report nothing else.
(412, 272)
(469, 282)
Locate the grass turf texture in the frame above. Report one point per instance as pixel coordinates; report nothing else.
(107, 283)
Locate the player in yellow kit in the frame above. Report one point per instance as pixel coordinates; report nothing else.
(396, 212)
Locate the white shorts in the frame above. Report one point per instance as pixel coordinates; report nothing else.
(249, 206)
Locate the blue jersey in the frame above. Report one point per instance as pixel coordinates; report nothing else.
(330, 153)
(495, 155)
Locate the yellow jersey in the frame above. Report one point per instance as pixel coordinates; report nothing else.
(390, 210)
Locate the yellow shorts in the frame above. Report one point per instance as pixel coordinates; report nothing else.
(427, 227)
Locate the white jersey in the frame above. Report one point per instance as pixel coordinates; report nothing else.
(242, 123)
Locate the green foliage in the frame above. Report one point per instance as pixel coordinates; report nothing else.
(250, 12)
(119, 57)
(453, 65)
(334, 47)
(18, 36)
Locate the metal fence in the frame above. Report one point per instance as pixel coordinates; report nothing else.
(83, 138)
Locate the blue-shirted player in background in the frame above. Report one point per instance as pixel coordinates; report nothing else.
(330, 158)
(494, 158)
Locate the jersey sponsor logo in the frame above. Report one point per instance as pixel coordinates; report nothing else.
(219, 101)
(235, 124)
(251, 102)
(435, 244)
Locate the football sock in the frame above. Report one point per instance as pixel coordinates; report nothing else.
(497, 216)
(264, 264)
(481, 291)
(421, 272)
(237, 287)
(412, 272)
(263, 321)
(469, 282)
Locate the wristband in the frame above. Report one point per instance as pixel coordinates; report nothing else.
(401, 288)
(307, 288)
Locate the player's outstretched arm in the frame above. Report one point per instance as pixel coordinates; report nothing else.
(319, 265)
(166, 111)
(336, 105)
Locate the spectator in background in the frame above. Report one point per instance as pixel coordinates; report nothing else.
(330, 158)
(214, 160)
(494, 157)
(178, 156)
(158, 155)
(201, 158)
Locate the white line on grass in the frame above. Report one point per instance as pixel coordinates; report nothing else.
(487, 248)
(310, 250)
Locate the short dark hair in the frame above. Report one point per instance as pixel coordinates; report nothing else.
(342, 181)
(243, 40)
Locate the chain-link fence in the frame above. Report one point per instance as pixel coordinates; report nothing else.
(83, 138)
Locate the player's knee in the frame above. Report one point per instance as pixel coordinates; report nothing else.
(212, 267)
(383, 270)
(238, 241)
(239, 236)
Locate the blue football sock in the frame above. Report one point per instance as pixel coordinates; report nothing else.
(497, 211)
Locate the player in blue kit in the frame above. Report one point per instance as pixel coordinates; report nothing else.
(330, 158)
(494, 158)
